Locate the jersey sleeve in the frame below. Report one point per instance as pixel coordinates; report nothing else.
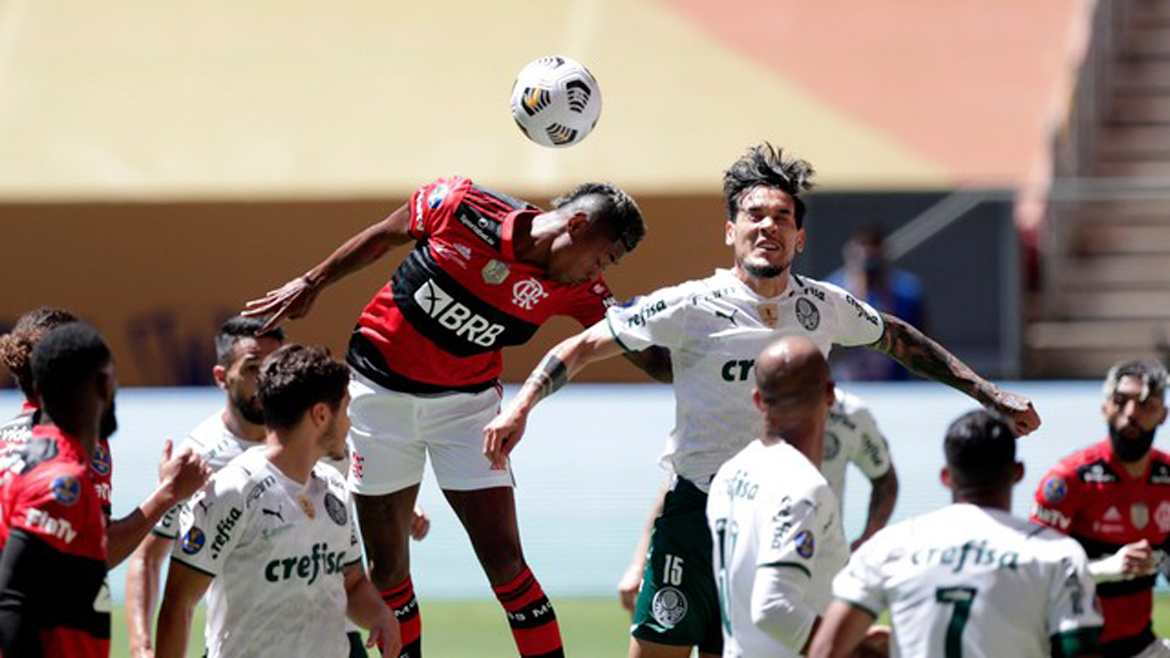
(1074, 620)
(860, 582)
(53, 505)
(789, 535)
(1057, 499)
(656, 319)
(432, 203)
(210, 525)
(857, 322)
(588, 303)
(872, 452)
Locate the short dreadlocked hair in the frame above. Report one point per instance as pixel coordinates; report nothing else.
(16, 346)
(765, 165)
(609, 205)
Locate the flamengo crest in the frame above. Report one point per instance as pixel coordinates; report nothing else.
(528, 293)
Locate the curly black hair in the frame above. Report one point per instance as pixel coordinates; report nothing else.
(766, 165)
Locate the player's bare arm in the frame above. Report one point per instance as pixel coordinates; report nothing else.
(180, 476)
(295, 299)
(365, 608)
(558, 366)
(926, 358)
(841, 632)
(655, 362)
(883, 494)
(142, 591)
(185, 588)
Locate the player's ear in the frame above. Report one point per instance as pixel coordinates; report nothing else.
(729, 233)
(219, 374)
(758, 399)
(1018, 473)
(800, 241)
(945, 476)
(577, 223)
(320, 412)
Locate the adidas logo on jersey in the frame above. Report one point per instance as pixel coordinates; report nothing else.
(306, 567)
(455, 316)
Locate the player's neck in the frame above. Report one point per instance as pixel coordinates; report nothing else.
(241, 428)
(1137, 469)
(531, 241)
(293, 454)
(85, 433)
(1000, 500)
(771, 286)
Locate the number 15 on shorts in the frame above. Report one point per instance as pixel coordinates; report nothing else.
(672, 570)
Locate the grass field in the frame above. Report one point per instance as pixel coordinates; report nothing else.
(592, 628)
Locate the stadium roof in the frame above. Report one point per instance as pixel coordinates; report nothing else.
(293, 98)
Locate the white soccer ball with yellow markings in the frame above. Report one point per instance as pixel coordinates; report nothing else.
(556, 101)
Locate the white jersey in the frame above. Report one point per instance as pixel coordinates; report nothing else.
(852, 436)
(715, 328)
(215, 443)
(972, 580)
(772, 517)
(276, 549)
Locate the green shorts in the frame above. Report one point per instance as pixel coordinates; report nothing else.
(679, 603)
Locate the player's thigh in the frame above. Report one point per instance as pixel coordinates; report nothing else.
(489, 516)
(678, 604)
(453, 426)
(385, 441)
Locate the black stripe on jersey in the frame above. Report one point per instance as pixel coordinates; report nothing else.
(1129, 646)
(481, 224)
(1125, 587)
(47, 588)
(364, 357)
(1095, 548)
(454, 319)
(508, 202)
(537, 613)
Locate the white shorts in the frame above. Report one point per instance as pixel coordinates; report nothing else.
(391, 434)
(1159, 648)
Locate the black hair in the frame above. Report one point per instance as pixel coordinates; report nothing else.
(64, 362)
(980, 448)
(765, 165)
(615, 209)
(17, 345)
(296, 377)
(237, 328)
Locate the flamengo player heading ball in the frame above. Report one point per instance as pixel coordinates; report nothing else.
(556, 101)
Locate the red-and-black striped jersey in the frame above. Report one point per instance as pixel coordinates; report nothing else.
(1092, 498)
(49, 499)
(15, 433)
(461, 296)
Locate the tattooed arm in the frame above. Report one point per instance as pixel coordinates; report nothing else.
(558, 366)
(928, 359)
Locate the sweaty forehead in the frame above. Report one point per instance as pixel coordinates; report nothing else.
(247, 349)
(763, 197)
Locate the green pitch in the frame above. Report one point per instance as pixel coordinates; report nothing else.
(592, 628)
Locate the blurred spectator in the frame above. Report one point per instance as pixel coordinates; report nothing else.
(869, 275)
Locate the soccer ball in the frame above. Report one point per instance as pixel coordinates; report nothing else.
(556, 101)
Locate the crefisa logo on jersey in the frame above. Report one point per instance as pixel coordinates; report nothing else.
(65, 489)
(806, 545)
(101, 460)
(223, 531)
(669, 606)
(193, 541)
(306, 567)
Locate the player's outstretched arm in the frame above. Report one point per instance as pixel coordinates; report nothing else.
(365, 608)
(180, 476)
(295, 299)
(142, 577)
(883, 495)
(185, 587)
(558, 366)
(928, 359)
(841, 632)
